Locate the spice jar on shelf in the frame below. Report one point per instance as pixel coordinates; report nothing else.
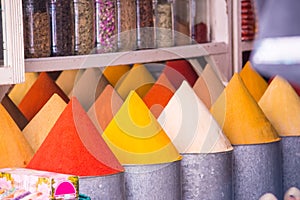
(126, 20)
(84, 26)
(164, 23)
(62, 27)
(200, 32)
(36, 29)
(248, 22)
(144, 26)
(182, 25)
(106, 25)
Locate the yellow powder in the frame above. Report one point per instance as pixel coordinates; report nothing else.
(14, 149)
(138, 79)
(136, 137)
(240, 117)
(38, 128)
(254, 82)
(281, 104)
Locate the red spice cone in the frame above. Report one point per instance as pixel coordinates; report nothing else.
(74, 146)
(38, 95)
(179, 70)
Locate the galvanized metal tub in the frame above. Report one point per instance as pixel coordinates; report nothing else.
(257, 169)
(156, 181)
(291, 161)
(110, 187)
(207, 176)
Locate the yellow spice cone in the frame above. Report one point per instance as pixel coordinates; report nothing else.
(68, 78)
(14, 149)
(240, 117)
(138, 79)
(254, 82)
(208, 86)
(136, 137)
(19, 90)
(114, 73)
(38, 128)
(281, 104)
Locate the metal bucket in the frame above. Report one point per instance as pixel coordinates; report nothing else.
(156, 181)
(257, 169)
(291, 162)
(110, 187)
(207, 176)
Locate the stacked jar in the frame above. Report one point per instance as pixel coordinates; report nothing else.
(106, 26)
(126, 31)
(84, 26)
(164, 23)
(145, 24)
(36, 29)
(62, 27)
(247, 20)
(192, 21)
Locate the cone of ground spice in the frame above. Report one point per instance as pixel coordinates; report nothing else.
(138, 79)
(105, 107)
(38, 128)
(15, 150)
(159, 95)
(179, 70)
(208, 86)
(253, 81)
(114, 73)
(67, 79)
(14, 112)
(39, 93)
(74, 146)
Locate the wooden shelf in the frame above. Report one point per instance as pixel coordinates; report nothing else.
(119, 58)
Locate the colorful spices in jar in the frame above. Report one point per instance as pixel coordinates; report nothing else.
(106, 26)
(164, 23)
(126, 24)
(84, 26)
(36, 29)
(145, 30)
(62, 30)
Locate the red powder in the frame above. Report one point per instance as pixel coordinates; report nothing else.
(74, 146)
(38, 95)
(179, 70)
(158, 97)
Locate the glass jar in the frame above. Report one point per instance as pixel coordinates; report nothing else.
(182, 17)
(62, 27)
(145, 24)
(200, 26)
(36, 29)
(106, 26)
(164, 23)
(126, 32)
(84, 26)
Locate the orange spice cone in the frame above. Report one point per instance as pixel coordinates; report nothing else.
(240, 117)
(40, 92)
(105, 107)
(135, 136)
(15, 150)
(114, 73)
(254, 82)
(74, 146)
(159, 95)
(41, 124)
